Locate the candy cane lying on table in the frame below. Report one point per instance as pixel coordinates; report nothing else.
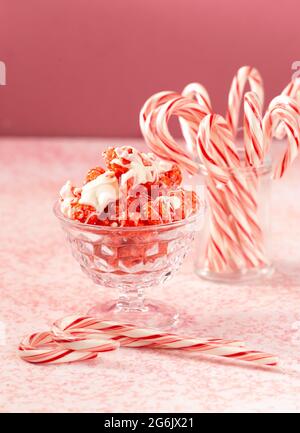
(244, 74)
(43, 348)
(72, 327)
(286, 114)
(76, 338)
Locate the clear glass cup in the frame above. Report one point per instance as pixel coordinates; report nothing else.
(235, 242)
(131, 260)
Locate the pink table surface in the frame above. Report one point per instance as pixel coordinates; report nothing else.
(41, 282)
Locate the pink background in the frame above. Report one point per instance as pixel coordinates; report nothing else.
(86, 67)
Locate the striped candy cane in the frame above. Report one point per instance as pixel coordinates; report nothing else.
(155, 130)
(76, 338)
(152, 103)
(254, 151)
(73, 327)
(198, 93)
(284, 110)
(292, 90)
(244, 74)
(43, 348)
(222, 162)
(253, 134)
(154, 127)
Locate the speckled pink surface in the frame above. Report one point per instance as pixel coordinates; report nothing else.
(41, 282)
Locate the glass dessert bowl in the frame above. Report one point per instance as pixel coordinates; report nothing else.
(131, 260)
(130, 225)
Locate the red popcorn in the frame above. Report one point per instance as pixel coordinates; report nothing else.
(109, 156)
(84, 213)
(93, 173)
(137, 189)
(172, 177)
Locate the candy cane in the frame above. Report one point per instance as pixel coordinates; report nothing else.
(154, 127)
(43, 348)
(161, 142)
(288, 115)
(224, 251)
(253, 134)
(253, 140)
(222, 161)
(198, 93)
(158, 137)
(73, 327)
(152, 103)
(155, 130)
(254, 145)
(244, 74)
(77, 338)
(284, 101)
(292, 90)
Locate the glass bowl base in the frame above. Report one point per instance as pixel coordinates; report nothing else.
(235, 277)
(154, 314)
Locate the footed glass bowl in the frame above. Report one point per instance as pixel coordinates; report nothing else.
(130, 260)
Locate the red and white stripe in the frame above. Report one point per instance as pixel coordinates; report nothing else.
(223, 250)
(152, 103)
(73, 327)
(154, 127)
(199, 94)
(285, 111)
(292, 90)
(76, 338)
(43, 348)
(244, 74)
(222, 162)
(253, 133)
(254, 150)
(236, 238)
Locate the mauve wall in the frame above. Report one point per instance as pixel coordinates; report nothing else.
(84, 67)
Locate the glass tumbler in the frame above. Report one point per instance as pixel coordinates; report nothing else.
(235, 240)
